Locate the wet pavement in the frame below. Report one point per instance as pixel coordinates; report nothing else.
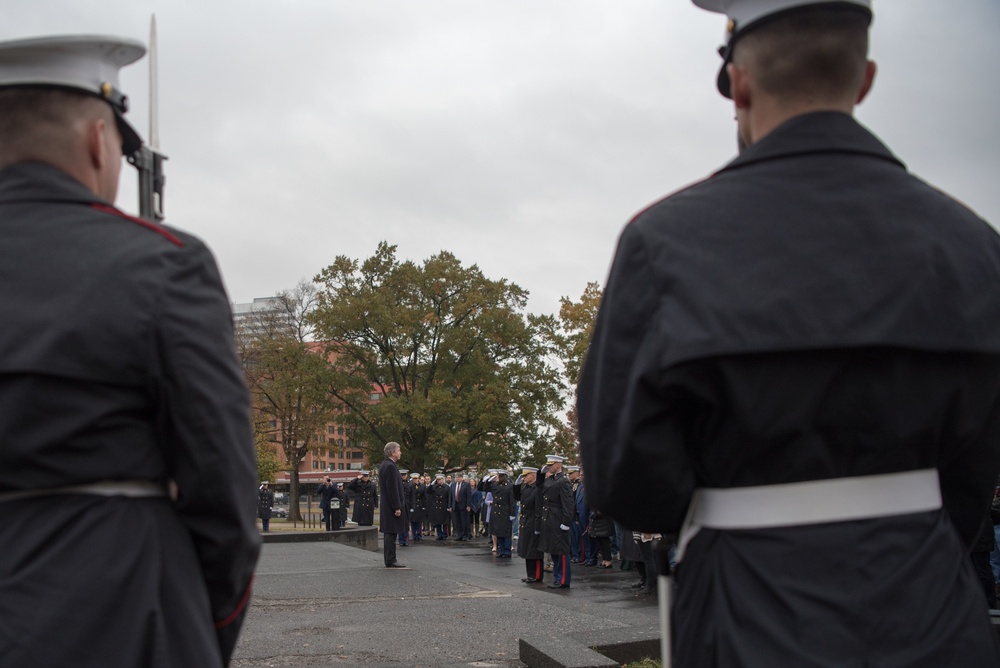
(325, 604)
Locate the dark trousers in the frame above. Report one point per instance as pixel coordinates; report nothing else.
(604, 545)
(389, 548)
(461, 519)
(560, 569)
(474, 522)
(415, 528)
(328, 519)
(534, 568)
(503, 546)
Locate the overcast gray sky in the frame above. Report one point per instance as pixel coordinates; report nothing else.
(521, 135)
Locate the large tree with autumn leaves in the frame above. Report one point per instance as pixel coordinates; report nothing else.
(439, 358)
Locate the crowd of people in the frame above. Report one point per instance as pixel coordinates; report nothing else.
(543, 510)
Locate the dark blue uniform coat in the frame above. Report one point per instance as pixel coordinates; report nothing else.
(811, 311)
(117, 363)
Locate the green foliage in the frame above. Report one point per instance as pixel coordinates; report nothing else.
(438, 358)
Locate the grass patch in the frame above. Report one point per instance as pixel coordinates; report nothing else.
(644, 663)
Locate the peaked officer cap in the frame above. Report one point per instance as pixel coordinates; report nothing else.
(745, 15)
(85, 63)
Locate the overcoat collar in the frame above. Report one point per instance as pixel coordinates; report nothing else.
(815, 132)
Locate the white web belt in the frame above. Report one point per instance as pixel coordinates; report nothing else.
(811, 502)
(129, 488)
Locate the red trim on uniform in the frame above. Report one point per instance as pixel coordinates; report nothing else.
(538, 569)
(562, 560)
(104, 208)
(234, 615)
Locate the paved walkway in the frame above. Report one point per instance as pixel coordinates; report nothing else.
(324, 604)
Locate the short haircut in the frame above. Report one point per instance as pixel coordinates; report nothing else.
(818, 51)
(36, 123)
(391, 447)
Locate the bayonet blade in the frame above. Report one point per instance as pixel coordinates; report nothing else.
(154, 120)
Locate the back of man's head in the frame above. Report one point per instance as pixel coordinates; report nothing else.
(819, 53)
(46, 124)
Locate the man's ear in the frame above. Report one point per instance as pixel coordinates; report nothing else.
(739, 85)
(95, 142)
(869, 80)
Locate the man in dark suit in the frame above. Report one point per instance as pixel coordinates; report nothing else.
(392, 520)
(460, 504)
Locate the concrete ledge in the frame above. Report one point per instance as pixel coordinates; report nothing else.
(365, 538)
(560, 652)
(623, 645)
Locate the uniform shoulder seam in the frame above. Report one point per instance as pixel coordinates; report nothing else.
(104, 208)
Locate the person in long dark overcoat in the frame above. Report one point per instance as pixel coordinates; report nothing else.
(404, 537)
(416, 502)
(529, 521)
(265, 499)
(437, 502)
(557, 515)
(365, 499)
(502, 518)
(392, 504)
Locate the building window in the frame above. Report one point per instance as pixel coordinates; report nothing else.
(331, 429)
(340, 466)
(315, 465)
(356, 455)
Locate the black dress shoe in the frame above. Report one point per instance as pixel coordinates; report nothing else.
(530, 580)
(395, 564)
(555, 586)
(638, 585)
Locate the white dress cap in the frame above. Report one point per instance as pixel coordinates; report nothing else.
(87, 63)
(746, 14)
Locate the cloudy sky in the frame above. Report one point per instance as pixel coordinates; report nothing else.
(521, 135)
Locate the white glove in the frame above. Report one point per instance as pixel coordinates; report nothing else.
(511, 518)
(538, 533)
(564, 527)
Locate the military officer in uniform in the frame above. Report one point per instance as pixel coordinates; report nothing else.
(127, 465)
(404, 478)
(265, 500)
(557, 516)
(365, 499)
(801, 355)
(437, 505)
(529, 523)
(502, 514)
(417, 500)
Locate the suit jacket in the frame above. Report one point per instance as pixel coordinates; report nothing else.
(464, 499)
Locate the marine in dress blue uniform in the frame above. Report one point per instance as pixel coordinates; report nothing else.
(128, 482)
(780, 344)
